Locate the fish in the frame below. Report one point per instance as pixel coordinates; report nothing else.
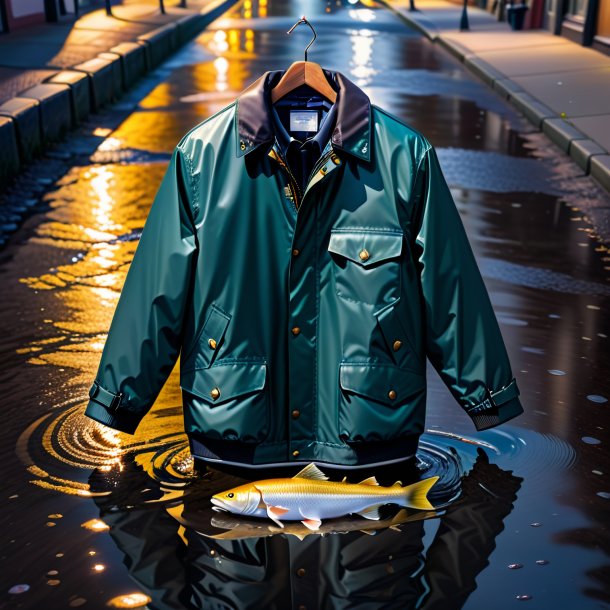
(310, 496)
(239, 528)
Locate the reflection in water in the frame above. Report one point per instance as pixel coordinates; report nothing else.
(201, 564)
(182, 554)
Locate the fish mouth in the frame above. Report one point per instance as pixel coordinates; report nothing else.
(218, 505)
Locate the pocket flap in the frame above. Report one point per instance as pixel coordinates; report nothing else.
(366, 246)
(225, 381)
(209, 339)
(382, 382)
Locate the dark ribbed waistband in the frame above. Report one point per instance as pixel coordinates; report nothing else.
(371, 458)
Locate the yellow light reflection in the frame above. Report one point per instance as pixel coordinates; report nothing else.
(221, 65)
(220, 43)
(95, 525)
(131, 600)
(249, 44)
(102, 178)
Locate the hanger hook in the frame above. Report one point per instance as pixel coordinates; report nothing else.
(304, 20)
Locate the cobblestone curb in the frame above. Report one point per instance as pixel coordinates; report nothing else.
(43, 114)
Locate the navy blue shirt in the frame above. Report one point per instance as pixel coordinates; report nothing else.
(301, 156)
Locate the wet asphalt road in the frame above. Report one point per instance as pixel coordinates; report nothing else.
(91, 516)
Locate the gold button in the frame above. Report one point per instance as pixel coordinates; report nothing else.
(296, 453)
(242, 145)
(397, 345)
(323, 169)
(336, 160)
(295, 414)
(212, 343)
(301, 572)
(392, 394)
(296, 330)
(215, 393)
(296, 252)
(363, 254)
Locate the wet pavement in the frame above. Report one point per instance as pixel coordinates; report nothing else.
(94, 518)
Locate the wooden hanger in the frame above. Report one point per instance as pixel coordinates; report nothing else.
(304, 73)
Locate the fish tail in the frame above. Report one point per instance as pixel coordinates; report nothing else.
(415, 494)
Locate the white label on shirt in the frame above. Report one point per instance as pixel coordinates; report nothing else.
(303, 120)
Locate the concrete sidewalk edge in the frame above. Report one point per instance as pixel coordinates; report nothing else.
(41, 115)
(591, 158)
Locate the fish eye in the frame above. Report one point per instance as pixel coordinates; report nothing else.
(230, 495)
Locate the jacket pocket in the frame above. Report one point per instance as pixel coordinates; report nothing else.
(366, 264)
(378, 401)
(399, 343)
(208, 340)
(227, 401)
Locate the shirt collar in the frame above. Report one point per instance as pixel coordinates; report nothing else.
(351, 132)
(321, 138)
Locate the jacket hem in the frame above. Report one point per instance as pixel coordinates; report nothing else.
(357, 455)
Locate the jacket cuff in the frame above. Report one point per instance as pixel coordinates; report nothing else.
(497, 408)
(105, 407)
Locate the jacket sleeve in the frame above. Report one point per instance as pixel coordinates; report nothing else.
(145, 333)
(463, 338)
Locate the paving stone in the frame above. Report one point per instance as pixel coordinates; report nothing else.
(79, 93)
(55, 115)
(159, 44)
(561, 132)
(117, 72)
(9, 153)
(133, 61)
(600, 170)
(26, 115)
(101, 79)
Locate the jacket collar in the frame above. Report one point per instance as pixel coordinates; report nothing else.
(352, 131)
(285, 140)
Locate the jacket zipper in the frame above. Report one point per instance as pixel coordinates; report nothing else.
(294, 187)
(321, 161)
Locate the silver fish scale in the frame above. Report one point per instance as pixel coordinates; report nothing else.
(304, 500)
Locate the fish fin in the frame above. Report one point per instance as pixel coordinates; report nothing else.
(312, 524)
(344, 479)
(369, 481)
(400, 516)
(277, 511)
(311, 471)
(395, 528)
(369, 532)
(273, 517)
(372, 512)
(397, 484)
(415, 494)
(301, 537)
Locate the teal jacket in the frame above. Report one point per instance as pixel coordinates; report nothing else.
(303, 319)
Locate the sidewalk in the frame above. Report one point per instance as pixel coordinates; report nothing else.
(562, 87)
(53, 75)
